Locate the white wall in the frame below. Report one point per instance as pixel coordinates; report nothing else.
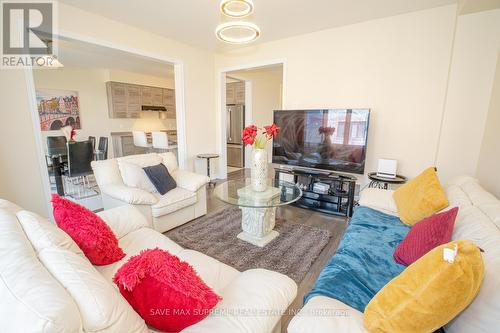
(198, 68)
(472, 73)
(21, 178)
(489, 159)
(266, 95)
(91, 87)
(397, 66)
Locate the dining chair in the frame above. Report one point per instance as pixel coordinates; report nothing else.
(80, 156)
(160, 140)
(92, 140)
(56, 145)
(141, 140)
(102, 149)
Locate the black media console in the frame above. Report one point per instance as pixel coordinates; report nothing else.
(323, 191)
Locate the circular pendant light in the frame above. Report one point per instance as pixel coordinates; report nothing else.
(238, 32)
(236, 8)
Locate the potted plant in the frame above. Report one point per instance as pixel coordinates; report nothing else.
(258, 141)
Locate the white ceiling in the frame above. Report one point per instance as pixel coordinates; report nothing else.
(194, 21)
(79, 54)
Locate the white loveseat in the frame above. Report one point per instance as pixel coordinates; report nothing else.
(478, 220)
(47, 285)
(122, 181)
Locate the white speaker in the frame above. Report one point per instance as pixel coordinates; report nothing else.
(387, 168)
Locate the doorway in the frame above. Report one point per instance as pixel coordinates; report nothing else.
(87, 72)
(249, 96)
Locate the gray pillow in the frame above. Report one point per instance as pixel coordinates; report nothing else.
(161, 178)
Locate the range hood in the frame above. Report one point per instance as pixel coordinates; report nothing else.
(153, 108)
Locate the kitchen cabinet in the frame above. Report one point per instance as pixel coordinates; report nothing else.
(125, 100)
(235, 93)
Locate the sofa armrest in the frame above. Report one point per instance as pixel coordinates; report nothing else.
(325, 314)
(379, 199)
(123, 220)
(254, 301)
(130, 195)
(189, 180)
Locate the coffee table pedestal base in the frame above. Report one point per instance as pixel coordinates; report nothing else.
(258, 225)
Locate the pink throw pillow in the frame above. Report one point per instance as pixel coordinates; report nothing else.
(167, 292)
(425, 235)
(89, 231)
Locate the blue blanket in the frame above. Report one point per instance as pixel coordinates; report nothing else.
(363, 263)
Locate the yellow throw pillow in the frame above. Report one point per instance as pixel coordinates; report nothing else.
(429, 293)
(420, 197)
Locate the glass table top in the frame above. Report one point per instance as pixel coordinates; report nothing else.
(239, 192)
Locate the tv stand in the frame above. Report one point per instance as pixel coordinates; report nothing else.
(323, 191)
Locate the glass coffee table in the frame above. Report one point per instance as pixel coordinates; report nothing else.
(258, 209)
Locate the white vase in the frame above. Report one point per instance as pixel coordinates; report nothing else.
(259, 170)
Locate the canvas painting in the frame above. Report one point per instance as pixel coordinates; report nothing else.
(58, 108)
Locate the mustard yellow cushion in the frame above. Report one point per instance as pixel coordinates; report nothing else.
(427, 294)
(420, 197)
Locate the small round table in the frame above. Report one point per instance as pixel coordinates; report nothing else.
(258, 209)
(383, 182)
(208, 157)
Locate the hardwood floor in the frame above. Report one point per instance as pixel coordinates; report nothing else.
(336, 225)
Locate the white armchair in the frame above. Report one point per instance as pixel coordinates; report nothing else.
(122, 181)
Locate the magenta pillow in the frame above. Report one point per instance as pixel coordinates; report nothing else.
(425, 235)
(165, 291)
(89, 231)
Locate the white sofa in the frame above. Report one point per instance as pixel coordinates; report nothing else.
(47, 285)
(478, 220)
(122, 181)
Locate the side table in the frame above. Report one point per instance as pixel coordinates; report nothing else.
(383, 182)
(208, 157)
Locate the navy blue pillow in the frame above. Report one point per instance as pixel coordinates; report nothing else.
(161, 178)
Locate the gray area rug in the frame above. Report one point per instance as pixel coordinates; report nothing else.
(291, 253)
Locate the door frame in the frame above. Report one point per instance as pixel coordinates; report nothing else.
(179, 81)
(221, 107)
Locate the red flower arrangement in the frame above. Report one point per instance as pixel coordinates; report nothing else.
(249, 135)
(72, 134)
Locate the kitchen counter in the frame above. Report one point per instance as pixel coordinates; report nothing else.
(123, 143)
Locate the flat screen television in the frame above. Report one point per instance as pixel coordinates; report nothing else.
(329, 139)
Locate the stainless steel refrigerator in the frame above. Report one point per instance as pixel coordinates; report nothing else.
(235, 122)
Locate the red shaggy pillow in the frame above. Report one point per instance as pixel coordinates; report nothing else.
(425, 235)
(165, 291)
(89, 231)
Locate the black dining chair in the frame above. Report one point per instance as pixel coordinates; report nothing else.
(80, 155)
(102, 149)
(92, 140)
(56, 145)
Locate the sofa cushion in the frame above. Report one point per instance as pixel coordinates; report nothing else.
(28, 292)
(135, 176)
(165, 291)
(378, 199)
(170, 161)
(214, 273)
(101, 306)
(160, 177)
(420, 197)
(123, 220)
(429, 293)
(172, 201)
(88, 230)
(44, 234)
(474, 224)
(425, 235)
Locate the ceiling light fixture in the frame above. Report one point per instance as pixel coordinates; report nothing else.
(238, 32)
(236, 8)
